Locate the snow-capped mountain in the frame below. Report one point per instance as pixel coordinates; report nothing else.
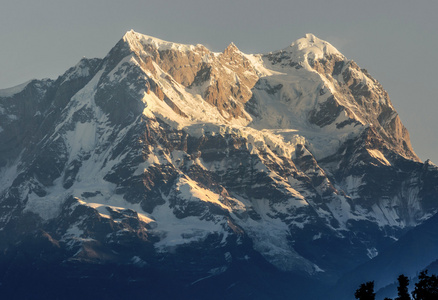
(196, 164)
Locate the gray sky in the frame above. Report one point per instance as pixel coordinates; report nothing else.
(395, 40)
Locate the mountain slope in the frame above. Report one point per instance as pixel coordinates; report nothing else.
(174, 158)
(414, 251)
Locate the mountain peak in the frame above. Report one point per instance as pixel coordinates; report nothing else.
(232, 46)
(311, 37)
(312, 46)
(133, 35)
(137, 40)
(176, 151)
(231, 49)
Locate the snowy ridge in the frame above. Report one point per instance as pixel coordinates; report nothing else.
(8, 92)
(303, 52)
(81, 70)
(138, 40)
(276, 114)
(311, 47)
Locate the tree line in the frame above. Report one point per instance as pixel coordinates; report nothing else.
(425, 289)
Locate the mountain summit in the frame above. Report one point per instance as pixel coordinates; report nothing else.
(220, 171)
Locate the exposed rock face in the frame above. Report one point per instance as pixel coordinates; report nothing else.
(196, 165)
(224, 80)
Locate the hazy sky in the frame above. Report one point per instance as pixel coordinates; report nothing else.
(395, 40)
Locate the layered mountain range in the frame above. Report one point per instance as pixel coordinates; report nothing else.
(222, 174)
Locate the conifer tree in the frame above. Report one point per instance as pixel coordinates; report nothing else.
(426, 288)
(365, 291)
(403, 283)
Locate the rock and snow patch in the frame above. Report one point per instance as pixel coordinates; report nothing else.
(78, 71)
(372, 252)
(82, 139)
(48, 206)
(174, 231)
(379, 156)
(136, 260)
(191, 191)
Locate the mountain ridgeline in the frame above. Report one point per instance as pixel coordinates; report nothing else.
(225, 175)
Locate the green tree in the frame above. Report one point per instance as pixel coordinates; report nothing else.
(403, 283)
(426, 288)
(365, 291)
